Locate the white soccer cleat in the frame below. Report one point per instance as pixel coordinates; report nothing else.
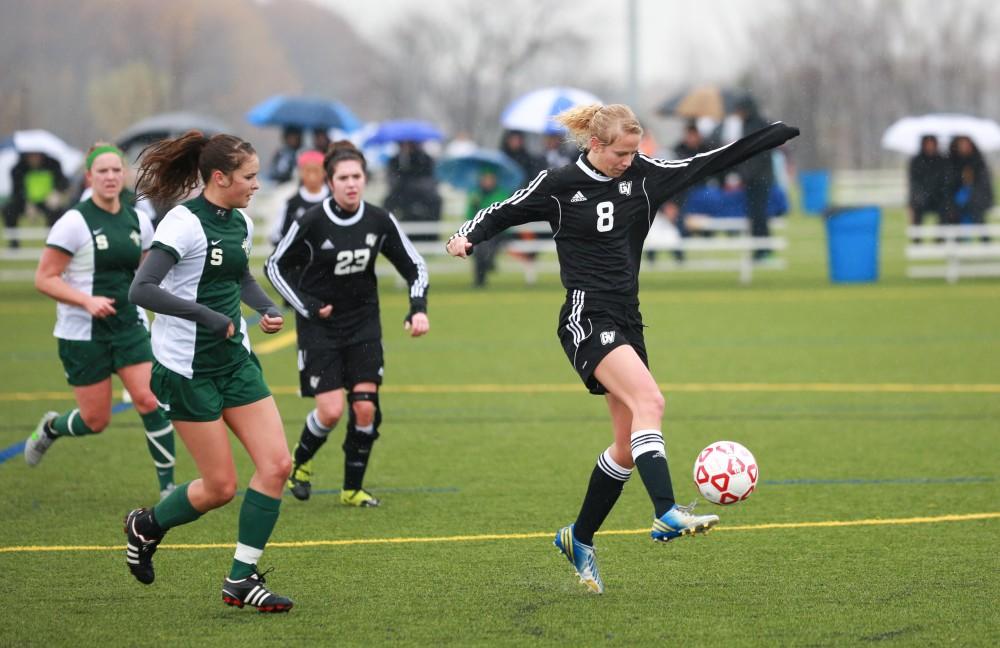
(680, 521)
(39, 441)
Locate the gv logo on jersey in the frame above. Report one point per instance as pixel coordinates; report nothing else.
(370, 240)
(625, 188)
(607, 337)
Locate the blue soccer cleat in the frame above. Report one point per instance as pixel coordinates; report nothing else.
(582, 557)
(680, 521)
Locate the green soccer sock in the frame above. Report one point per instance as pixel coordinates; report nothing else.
(70, 424)
(175, 509)
(160, 442)
(258, 515)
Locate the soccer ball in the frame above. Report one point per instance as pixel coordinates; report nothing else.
(725, 472)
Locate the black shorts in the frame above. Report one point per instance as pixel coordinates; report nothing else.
(326, 369)
(590, 330)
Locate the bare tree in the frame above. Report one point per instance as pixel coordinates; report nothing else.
(844, 71)
(461, 72)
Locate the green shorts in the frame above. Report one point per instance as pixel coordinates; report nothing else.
(87, 362)
(203, 398)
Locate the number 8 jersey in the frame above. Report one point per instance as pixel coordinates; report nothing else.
(600, 223)
(212, 248)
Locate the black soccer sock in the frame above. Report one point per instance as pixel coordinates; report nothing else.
(313, 436)
(650, 458)
(357, 452)
(606, 484)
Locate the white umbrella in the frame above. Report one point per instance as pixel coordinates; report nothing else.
(534, 111)
(42, 141)
(904, 135)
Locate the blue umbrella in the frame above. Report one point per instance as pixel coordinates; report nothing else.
(463, 171)
(534, 111)
(404, 130)
(304, 112)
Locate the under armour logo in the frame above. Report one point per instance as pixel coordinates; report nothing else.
(607, 337)
(578, 197)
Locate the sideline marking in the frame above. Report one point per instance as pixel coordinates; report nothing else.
(526, 536)
(552, 388)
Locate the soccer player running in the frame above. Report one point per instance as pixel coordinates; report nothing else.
(600, 209)
(88, 263)
(325, 268)
(194, 278)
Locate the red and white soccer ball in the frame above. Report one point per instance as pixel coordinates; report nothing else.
(725, 472)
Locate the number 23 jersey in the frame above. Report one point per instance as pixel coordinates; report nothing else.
(328, 257)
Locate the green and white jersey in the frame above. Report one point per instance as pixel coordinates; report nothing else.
(212, 248)
(106, 249)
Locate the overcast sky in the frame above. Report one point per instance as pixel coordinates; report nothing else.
(678, 39)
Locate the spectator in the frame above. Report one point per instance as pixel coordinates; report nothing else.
(321, 140)
(36, 180)
(690, 145)
(970, 188)
(283, 162)
(557, 152)
(488, 193)
(757, 173)
(928, 180)
(512, 144)
(413, 194)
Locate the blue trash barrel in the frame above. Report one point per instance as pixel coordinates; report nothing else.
(852, 235)
(815, 187)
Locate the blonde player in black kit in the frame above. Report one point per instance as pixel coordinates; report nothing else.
(600, 209)
(324, 267)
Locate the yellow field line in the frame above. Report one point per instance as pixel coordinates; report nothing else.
(279, 341)
(524, 536)
(551, 388)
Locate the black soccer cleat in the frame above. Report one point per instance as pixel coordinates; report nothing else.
(251, 591)
(139, 549)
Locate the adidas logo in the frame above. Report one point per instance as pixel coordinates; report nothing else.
(327, 245)
(578, 197)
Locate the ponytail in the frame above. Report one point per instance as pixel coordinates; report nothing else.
(173, 168)
(606, 123)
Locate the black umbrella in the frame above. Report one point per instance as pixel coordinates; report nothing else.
(164, 125)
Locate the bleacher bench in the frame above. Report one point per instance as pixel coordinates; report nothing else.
(953, 251)
(729, 248)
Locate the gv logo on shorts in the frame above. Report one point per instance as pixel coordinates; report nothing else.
(314, 381)
(607, 337)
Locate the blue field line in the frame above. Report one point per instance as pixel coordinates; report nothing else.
(11, 451)
(898, 480)
(16, 449)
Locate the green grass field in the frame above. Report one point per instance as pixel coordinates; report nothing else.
(874, 411)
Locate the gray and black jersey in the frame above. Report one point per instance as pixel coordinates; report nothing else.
(328, 257)
(295, 208)
(106, 249)
(599, 223)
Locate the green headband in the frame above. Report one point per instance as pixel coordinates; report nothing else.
(101, 150)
